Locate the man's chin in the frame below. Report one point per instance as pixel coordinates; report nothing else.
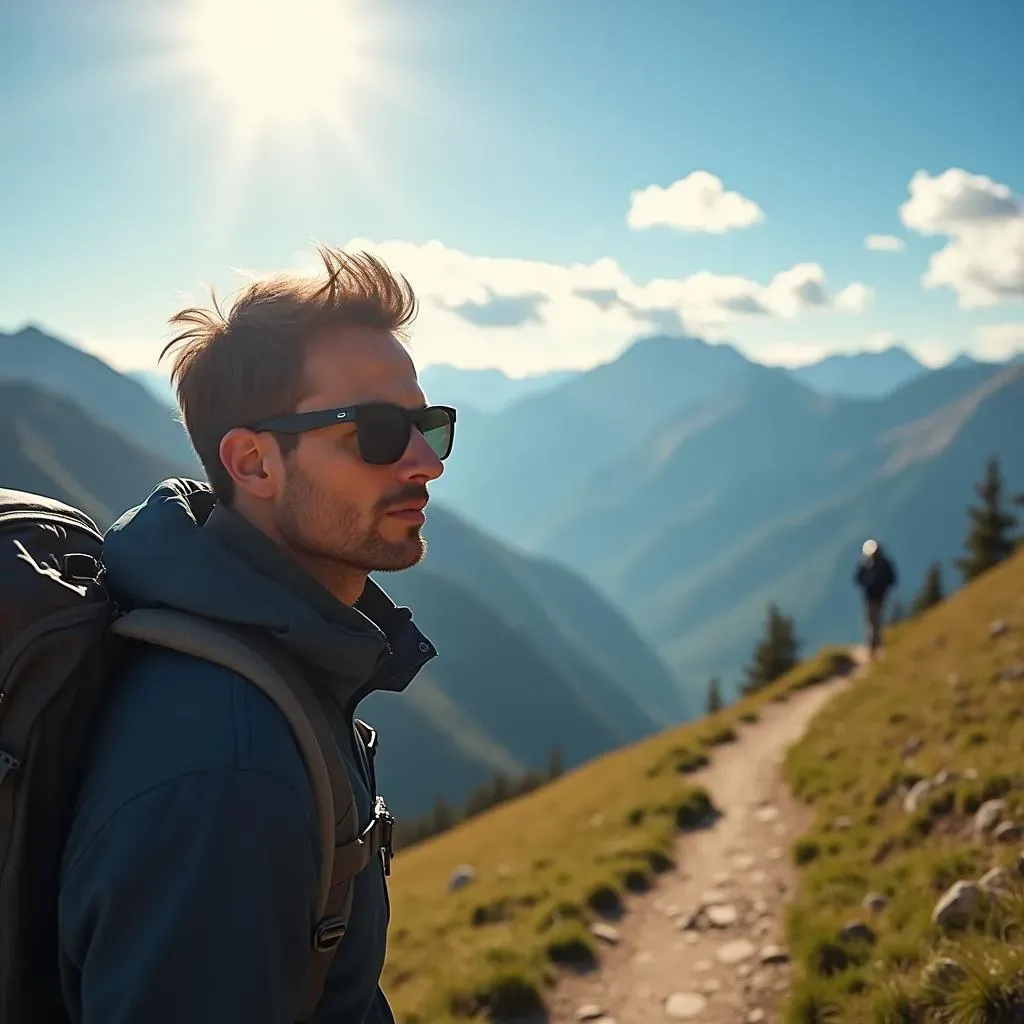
(395, 556)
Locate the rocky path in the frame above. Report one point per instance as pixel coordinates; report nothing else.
(707, 944)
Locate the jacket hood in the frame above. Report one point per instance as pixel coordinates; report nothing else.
(180, 549)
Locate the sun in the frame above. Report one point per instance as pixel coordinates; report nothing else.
(284, 63)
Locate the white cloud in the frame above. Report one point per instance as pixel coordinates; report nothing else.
(884, 243)
(698, 202)
(998, 341)
(983, 263)
(531, 315)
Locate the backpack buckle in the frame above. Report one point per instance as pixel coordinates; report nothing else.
(328, 933)
(385, 821)
(8, 763)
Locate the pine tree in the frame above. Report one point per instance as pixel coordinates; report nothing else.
(776, 653)
(989, 540)
(931, 592)
(714, 695)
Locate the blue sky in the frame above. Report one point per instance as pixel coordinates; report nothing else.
(512, 136)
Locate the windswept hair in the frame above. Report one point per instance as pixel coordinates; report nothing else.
(236, 367)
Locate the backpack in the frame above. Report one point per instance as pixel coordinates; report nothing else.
(61, 640)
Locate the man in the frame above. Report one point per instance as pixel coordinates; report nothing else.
(875, 575)
(189, 881)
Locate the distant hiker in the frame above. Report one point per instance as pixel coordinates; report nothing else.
(190, 885)
(875, 575)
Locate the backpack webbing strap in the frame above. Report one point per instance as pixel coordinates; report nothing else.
(277, 676)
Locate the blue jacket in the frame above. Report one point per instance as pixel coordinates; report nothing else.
(190, 877)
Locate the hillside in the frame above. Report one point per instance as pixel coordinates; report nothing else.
(110, 397)
(51, 446)
(518, 674)
(861, 374)
(900, 773)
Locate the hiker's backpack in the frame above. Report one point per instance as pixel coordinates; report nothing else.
(61, 640)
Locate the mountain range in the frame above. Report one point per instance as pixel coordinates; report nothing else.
(532, 656)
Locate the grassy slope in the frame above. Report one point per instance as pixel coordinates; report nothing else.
(942, 682)
(547, 866)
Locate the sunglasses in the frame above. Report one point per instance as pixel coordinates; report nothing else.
(382, 429)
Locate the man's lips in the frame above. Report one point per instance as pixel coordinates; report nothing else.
(412, 513)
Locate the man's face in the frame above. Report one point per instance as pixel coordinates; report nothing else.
(334, 508)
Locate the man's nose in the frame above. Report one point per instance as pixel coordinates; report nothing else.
(420, 461)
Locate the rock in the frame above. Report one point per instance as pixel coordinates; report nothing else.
(987, 816)
(589, 1012)
(722, 915)
(994, 880)
(644, 956)
(736, 951)
(703, 966)
(768, 813)
(1008, 832)
(691, 938)
(917, 795)
(970, 774)
(504, 870)
(779, 829)
(713, 896)
(744, 971)
(760, 979)
(944, 777)
(997, 628)
(1013, 674)
(876, 902)
(461, 877)
(711, 986)
(775, 853)
(743, 861)
(685, 1005)
(774, 955)
(722, 878)
(942, 972)
(842, 824)
(596, 820)
(857, 931)
(954, 679)
(605, 932)
(756, 1016)
(760, 908)
(956, 904)
(757, 877)
(912, 747)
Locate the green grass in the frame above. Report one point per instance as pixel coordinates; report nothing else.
(936, 702)
(548, 865)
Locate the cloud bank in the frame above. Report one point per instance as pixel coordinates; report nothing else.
(698, 202)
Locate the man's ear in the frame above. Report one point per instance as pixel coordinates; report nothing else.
(253, 461)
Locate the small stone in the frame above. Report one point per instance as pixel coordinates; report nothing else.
(994, 880)
(775, 853)
(685, 1005)
(722, 915)
(954, 679)
(691, 938)
(917, 795)
(970, 774)
(988, 815)
(722, 878)
(766, 814)
(943, 972)
(1013, 673)
(760, 979)
(876, 902)
(712, 985)
(760, 908)
(956, 904)
(645, 956)
(842, 824)
(1008, 832)
(736, 951)
(589, 1012)
(743, 861)
(997, 628)
(713, 896)
(461, 877)
(744, 971)
(703, 966)
(779, 829)
(757, 877)
(944, 777)
(774, 955)
(671, 910)
(605, 932)
(857, 931)
(596, 820)
(756, 1016)
(912, 747)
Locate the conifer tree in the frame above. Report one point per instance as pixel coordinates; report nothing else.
(714, 695)
(775, 654)
(989, 540)
(931, 592)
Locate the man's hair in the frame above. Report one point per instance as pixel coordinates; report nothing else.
(231, 369)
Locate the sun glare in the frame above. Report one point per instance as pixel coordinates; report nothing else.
(285, 61)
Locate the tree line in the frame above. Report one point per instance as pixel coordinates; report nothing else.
(990, 539)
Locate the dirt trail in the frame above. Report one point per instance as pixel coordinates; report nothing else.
(674, 960)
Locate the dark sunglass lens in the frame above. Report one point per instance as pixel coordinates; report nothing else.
(383, 434)
(436, 425)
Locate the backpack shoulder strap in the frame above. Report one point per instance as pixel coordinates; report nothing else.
(345, 848)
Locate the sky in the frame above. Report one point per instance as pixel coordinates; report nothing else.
(555, 179)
